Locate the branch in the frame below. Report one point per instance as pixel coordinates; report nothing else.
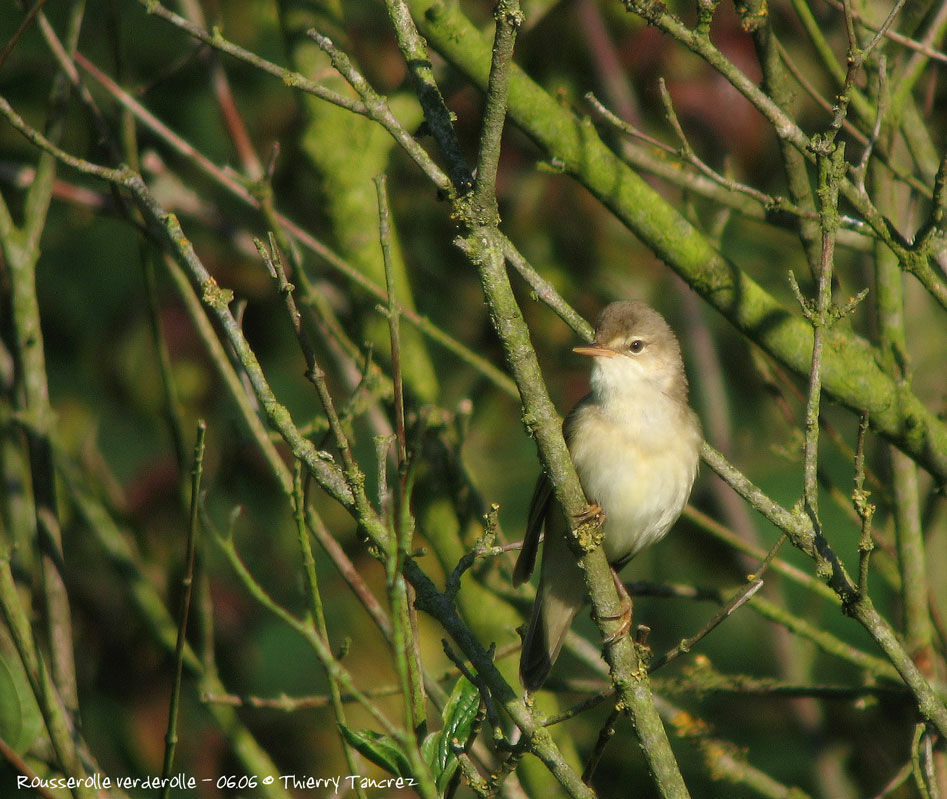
(798, 526)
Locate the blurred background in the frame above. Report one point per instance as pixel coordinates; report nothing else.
(109, 308)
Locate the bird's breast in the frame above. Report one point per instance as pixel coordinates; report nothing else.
(639, 467)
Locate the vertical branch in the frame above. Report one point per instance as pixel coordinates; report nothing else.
(508, 20)
(404, 623)
(863, 508)
(830, 160)
(316, 608)
(818, 313)
(384, 234)
(395, 550)
(171, 737)
(404, 644)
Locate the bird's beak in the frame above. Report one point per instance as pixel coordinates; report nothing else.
(595, 351)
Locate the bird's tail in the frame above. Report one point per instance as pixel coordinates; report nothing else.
(557, 602)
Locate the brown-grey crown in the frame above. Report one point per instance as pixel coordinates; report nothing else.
(634, 321)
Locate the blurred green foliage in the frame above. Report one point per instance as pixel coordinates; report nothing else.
(111, 416)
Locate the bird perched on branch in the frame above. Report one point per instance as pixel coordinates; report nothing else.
(634, 440)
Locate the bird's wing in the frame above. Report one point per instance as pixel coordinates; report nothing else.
(538, 506)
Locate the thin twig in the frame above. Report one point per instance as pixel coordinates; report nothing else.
(24, 25)
(691, 157)
(545, 291)
(605, 734)
(384, 235)
(216, 40)
(438, 117)
(376, 107)
(863, 507)
(316, 607)
(293, 704)
(197, 471)
(304, 628)
(685, 646)
(864, 52)
(860, 170)
(899, 38)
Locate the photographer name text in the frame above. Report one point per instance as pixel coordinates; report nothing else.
(184, 782)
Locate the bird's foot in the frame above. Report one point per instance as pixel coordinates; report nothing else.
(624, 615)
(593, 513)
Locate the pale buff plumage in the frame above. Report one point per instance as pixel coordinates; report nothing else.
(634, 441)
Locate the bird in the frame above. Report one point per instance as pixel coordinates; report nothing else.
(635, 442)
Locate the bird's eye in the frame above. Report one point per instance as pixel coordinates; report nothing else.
(636, 346)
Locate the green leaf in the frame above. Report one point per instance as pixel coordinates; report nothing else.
(429, 748)
(458, 715)
(461, 710)
(380, 749)
(20, 719)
